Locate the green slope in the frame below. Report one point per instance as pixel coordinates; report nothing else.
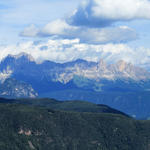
(76, 105)
(25, 127)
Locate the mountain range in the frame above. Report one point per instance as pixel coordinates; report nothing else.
(120, 85)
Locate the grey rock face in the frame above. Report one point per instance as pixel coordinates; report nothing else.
(80, 73)
(14, 88)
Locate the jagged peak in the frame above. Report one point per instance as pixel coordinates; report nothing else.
(102, 64)
(79, 60)
(121, 62)
(22, 54)
(121, 65)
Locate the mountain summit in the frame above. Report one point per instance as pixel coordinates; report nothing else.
(97, 82)
(20, 58)
(22, 55)
(23, 65)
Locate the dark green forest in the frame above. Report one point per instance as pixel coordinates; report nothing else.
(37, 124)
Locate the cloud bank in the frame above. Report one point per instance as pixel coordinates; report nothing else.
(91, 32)
(59, 50)
(102, 13)
(87, 35)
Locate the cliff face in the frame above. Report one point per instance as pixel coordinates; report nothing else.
(24, 64)
(14, 88)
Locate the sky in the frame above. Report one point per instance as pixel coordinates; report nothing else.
(65, 30)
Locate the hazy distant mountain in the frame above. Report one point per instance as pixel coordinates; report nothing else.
(82, 74)
(14, 88)
(99, 82)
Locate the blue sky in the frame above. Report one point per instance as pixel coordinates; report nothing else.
(15, 15)
(121, 26)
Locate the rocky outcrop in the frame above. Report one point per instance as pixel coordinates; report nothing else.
(13, 88)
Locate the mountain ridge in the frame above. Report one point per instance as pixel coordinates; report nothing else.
(87, 69)
(31, 127)
(77, 79)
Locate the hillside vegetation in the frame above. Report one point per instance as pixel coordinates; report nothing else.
(26, 127)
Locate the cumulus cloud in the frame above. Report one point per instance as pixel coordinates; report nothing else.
(102, 13)
(106, 35)
(64, 50)
(88, 35)
(30, 31)
(57, 27)
(92, 22)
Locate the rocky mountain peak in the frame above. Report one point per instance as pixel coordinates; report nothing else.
(22, 55)
(102, 64)
(121, 65)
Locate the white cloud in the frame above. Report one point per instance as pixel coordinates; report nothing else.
(22, 12)
(107, 35)
(88, 35)
(91, 22)
(62, 50)
(15, 15)
(101, 13)
(57, 27)
(30, 31)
